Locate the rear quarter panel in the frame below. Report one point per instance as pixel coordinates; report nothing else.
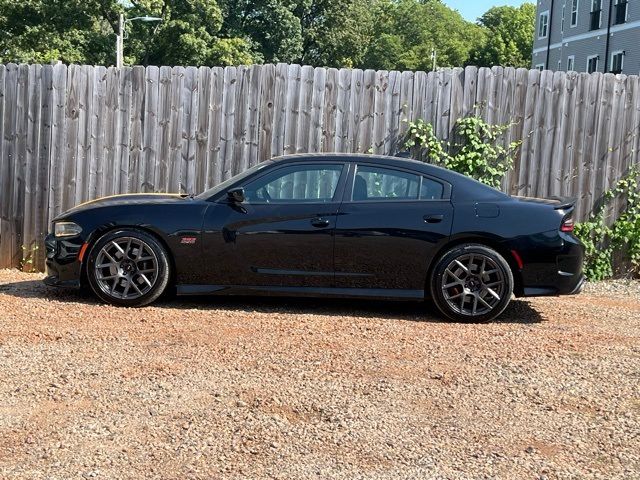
(532, 230)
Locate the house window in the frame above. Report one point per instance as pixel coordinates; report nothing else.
(574, 12)
(617, 62)
(592, 64)
(596, 15)
(571, 60)
(540, 67)
(543, 25)
(620, 12)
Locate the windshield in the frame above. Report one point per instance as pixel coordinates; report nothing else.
(227, 183)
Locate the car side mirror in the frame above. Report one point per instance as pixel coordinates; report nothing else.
(236, 195)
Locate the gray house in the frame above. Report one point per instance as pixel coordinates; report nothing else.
(588, 36)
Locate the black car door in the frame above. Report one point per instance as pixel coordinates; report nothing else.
(389, 226)
(282, 234)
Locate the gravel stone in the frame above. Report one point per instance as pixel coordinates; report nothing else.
(234, 388)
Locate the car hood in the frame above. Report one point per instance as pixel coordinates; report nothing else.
(127, 199)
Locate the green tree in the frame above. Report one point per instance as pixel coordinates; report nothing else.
(187, 35)
(509, 39)
(83, 31)
(336, 33)
(42, 31)
(408, 31)
(271, 25)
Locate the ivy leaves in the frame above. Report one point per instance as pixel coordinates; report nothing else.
(602, 238)
(477, 150)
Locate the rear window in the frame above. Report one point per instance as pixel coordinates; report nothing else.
(373, 183)
(431, 190)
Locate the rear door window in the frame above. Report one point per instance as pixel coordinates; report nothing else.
(373, 183)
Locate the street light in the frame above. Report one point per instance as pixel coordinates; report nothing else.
(120, 37)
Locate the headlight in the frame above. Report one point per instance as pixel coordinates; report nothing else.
(66, 229)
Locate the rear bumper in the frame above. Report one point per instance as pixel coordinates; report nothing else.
(572, 287)
(63, 268)
(553, 267)
(580, 287)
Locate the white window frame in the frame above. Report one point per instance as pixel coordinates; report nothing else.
(626, 12)
(540, 66)
(571, 62)
(591, 57)
(613, 55)
(575, 8)
(546, 30)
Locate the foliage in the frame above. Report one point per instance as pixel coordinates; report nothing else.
(336, 33)
(477, 150)
(510, 37)
(602, 241)
(380, 34)
(271, 25)
(84, 31)
(27, 264)
(407, 31)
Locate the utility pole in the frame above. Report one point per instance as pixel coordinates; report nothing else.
(121, 31)
(434, 55)
(120, 42)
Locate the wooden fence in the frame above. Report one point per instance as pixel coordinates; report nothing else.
(70, 134)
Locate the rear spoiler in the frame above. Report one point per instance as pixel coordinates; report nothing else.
(564, 203)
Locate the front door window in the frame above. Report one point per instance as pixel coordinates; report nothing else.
(295, 184)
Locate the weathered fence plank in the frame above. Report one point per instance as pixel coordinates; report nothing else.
(31, 166)
(20, 164)
(136, 171)
(44, 164)
(214, 155)
(75, 133)
(7, 232)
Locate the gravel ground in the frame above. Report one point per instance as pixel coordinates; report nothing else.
(274, 388)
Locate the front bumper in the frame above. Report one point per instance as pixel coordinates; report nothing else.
(63, 267)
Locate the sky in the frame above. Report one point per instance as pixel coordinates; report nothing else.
(472, 9)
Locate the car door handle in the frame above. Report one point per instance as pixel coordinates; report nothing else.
(433, 218)
(320, 222)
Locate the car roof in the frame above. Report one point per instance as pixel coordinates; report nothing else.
(464, 187)
(362, 157)
(344, 157)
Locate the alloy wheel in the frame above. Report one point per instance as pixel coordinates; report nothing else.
(473, 284)
(126, 268)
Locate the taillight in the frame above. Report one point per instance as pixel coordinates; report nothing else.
(567, 225)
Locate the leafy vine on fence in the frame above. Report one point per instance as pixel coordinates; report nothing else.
(602, 240)
(477, 150)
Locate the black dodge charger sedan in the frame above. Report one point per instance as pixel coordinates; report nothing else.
(324, 225)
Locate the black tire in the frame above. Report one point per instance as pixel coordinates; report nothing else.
(145, 267)
(472, 293)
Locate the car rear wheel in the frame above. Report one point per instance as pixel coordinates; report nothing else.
(128, 268)
(471, 283)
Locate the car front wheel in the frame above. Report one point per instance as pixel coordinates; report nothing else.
(128, 268)
(471, 283)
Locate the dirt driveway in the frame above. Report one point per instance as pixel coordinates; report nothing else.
(214, 388)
